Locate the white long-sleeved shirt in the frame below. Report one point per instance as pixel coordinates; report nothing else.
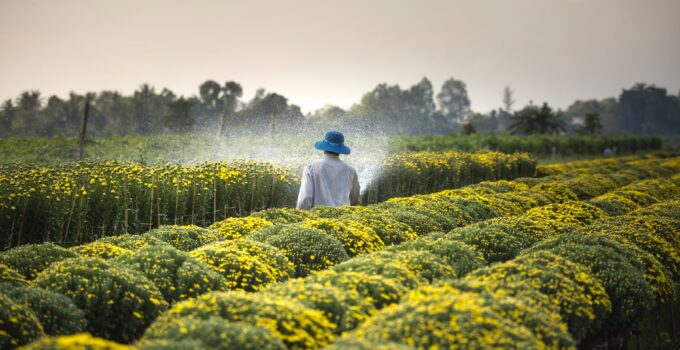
(328, 182)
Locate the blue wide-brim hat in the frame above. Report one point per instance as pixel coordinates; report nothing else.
(334, 141)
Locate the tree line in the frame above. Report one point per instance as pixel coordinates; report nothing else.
(389, 109)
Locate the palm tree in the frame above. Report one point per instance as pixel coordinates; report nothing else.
(534, 120)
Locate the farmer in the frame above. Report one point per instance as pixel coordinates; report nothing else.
(329, 181)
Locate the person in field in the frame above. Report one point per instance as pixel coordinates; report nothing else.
(329, 181)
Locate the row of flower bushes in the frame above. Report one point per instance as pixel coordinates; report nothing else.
(541, 145)
(79, 202)
(119, 297)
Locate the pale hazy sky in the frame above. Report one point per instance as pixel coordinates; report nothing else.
(318, 52)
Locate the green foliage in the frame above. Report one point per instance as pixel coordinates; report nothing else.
(18, 324)
(208, 333)
(30, 259)
(350, 342)
(177, 275)
(246, 264)
(296, 325)
(56, 313)
(492, 242)
(185, 238)
(118, 303)
(309, 249)
(536, 120)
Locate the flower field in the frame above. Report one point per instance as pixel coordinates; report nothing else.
(573, 259)
(79, 202)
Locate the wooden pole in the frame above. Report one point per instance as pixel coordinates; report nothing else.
(83, 129)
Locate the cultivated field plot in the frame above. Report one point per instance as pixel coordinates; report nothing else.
(576, 258)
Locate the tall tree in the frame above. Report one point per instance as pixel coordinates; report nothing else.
(647, 109)
(591, 124)
(178, 117)
(231, 93)
(534, 120)
(508, 101)
(7, 112)
(453, 100)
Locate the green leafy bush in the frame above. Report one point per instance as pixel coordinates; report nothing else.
(245, 264)
(185, 238)
(8, 274)
(208, 333)
(443, 221)
(30, 259)
(350, 342)
(18, 324)
(177, 275)
(308, 249)
(296, 325)
(421, 224)
(118, 303)
(56, 313)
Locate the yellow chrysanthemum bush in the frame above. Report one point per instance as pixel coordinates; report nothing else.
(522, 306)
(440, 202)
(18, 324)
(354, 236)
(462, 257)
(440, 220)
(390, 230)
(520, 226)
(555, 219)
(442, 320)
(285, 215)
(132, 241)
(211, 332)
(328, 212)
(501, 186)
(410, 268)
(297, 326)
(420, 223)
(669, 209)
(583, 302)
(309, 249)
(245, 264)
(177, 275)
(99, 250)
(79, 341)
(379, 290)
(345, 308)
(658, 188)
(640, 198)
(621, 275)
(9, 275)
(351, 342)
(185, 238)
(30, 259)
(493, 242)
(56, 313)
(233, 228)
(614, 204)
(637, 231)
(559, 192)
(118, 303)
(583, 212)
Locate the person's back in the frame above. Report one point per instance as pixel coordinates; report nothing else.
(329, 181)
